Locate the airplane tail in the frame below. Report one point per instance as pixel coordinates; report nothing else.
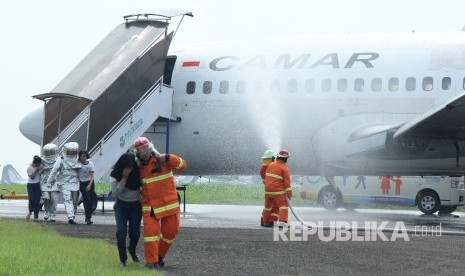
(11, 176)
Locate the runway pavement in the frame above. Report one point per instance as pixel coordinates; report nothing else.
(248, 217)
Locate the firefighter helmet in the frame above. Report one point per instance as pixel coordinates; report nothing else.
(283, 154)
(141, 144)
(71, 149)
(50, 150)
(268, 154)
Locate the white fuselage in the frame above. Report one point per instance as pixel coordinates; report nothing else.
(307, 96)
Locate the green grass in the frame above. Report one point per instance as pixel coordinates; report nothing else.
(29, 248)
(235, 194)
(228, 193)
(100, 188)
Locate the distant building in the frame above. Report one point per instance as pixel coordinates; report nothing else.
(11, 176)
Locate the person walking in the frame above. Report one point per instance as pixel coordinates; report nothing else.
(125, 185)
(86, 184)
(160, 205)
(64, 172)
(49, 194)
(33, 186)
(277, 187)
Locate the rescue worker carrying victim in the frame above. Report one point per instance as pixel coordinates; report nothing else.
(49, 193)
(160, 206)
(268, 157)
(64, 173)
(277, 187)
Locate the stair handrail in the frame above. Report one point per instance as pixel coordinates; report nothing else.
(158, 84)
(77, 122)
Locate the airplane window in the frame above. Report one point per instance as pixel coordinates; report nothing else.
(241, 86)
(326, 85)
(393, 84)
(207, 87)
(309, 85)
(359, 85)
(446, 83)
(427, 83)
(190, 89)
(376, 84)
(342, 85)
(292, 86)
(463, 83)
(224, 87)
(275, 86)
(410, 84)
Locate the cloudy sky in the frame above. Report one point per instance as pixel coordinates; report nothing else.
(42, 40)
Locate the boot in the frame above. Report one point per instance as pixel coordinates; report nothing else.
(151, 265)
(161, 263)
(268, 224)
(134, 256)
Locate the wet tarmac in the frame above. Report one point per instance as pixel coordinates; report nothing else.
(248, 217)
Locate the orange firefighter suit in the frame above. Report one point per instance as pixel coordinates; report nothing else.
(160, 205)
(274, 208)
(277, 186)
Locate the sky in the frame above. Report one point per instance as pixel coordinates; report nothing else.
(43, 40)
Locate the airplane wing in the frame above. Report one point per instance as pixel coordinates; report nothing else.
(446, 121)
(438, 133)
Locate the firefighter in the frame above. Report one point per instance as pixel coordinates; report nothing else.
(49, 194)
(64, 172)
(268, 157)
(277, 187)
(160, 206)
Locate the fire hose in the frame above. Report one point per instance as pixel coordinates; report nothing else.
(299, 219)
(13, 195)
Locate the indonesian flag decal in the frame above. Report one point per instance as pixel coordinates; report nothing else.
(190, 65)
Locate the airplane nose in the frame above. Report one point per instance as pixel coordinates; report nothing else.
(32, 125)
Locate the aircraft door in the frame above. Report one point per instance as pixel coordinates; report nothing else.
(169, 66)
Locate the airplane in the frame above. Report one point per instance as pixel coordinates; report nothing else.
(350, 104)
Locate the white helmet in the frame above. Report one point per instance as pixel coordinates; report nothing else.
(71, 149)
(50, 153)
(70, 152)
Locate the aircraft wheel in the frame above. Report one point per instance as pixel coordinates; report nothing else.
(428, 202)
(446, 210)
(329, 198)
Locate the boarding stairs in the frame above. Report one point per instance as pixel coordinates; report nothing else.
(115, 93)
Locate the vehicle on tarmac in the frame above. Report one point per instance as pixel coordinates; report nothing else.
(430, 193)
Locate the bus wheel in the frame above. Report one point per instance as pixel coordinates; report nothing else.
(428, 202)
(446, 210)
(329, 198)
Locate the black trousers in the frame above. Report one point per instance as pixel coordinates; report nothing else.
(127, 213)
(87, 198)
(34, 193)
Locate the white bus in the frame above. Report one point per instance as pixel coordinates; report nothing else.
(429, 193)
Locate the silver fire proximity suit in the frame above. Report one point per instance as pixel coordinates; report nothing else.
(49, 194)
(64, 172)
